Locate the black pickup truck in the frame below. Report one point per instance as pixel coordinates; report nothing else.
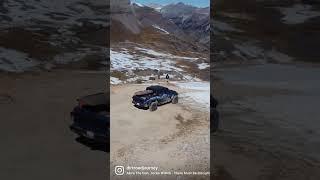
(91, 118)
(154, 96)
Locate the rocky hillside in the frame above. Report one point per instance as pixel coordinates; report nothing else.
(187, 23)
(40, 34)
(155, 6)
(254, 31)
(195, 22)
(143, 43)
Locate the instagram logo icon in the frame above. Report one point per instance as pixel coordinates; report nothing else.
(119, 170)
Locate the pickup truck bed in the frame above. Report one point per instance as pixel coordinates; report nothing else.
(91, 118)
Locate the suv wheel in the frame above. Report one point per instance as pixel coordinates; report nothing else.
(175, 100)
(153, 106)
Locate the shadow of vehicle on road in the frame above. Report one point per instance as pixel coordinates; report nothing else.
(147, 108)
(96, 146)
(143, 108)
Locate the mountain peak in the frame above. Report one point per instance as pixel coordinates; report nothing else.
(155, 6)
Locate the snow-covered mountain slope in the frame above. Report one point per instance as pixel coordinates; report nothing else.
(69, 12)
(155, 6)
(254, 31)
(153, 50)
(146, 19)
(38, 34)
(132, 62)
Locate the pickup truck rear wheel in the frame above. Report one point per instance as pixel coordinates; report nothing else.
(175, 100)
(153, 106)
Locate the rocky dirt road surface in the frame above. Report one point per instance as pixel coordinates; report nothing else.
(36, 142)
(269, 126)
(174, 137)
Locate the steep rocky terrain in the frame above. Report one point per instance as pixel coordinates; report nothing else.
(266, 58)
(155, 6)
(195, 22)
(136, 17)
(253, 31)
(39, 34)
(68, 38)
(143, 43)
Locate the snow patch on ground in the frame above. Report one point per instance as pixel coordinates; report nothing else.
(166, 55)
(125, 61)
(142, 78)
(278, 56)
(138, 4)
(121, 60)
(221, 26)
(66, 58)
(62, 12)
(200, 97)
(159, 28)
(203, 66)
(201, 86)
(114, 80)
(15, 61)
(235, 15)
(298, 13)
(190, 78)
(158, 9)
(140, 64)
(152, 52)
(250, 50)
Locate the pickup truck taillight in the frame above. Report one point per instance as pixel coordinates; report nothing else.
(81, 103)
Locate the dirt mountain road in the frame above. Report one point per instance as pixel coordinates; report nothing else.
(174, 137)
(36, 142)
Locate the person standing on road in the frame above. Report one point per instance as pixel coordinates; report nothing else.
(167, 77)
